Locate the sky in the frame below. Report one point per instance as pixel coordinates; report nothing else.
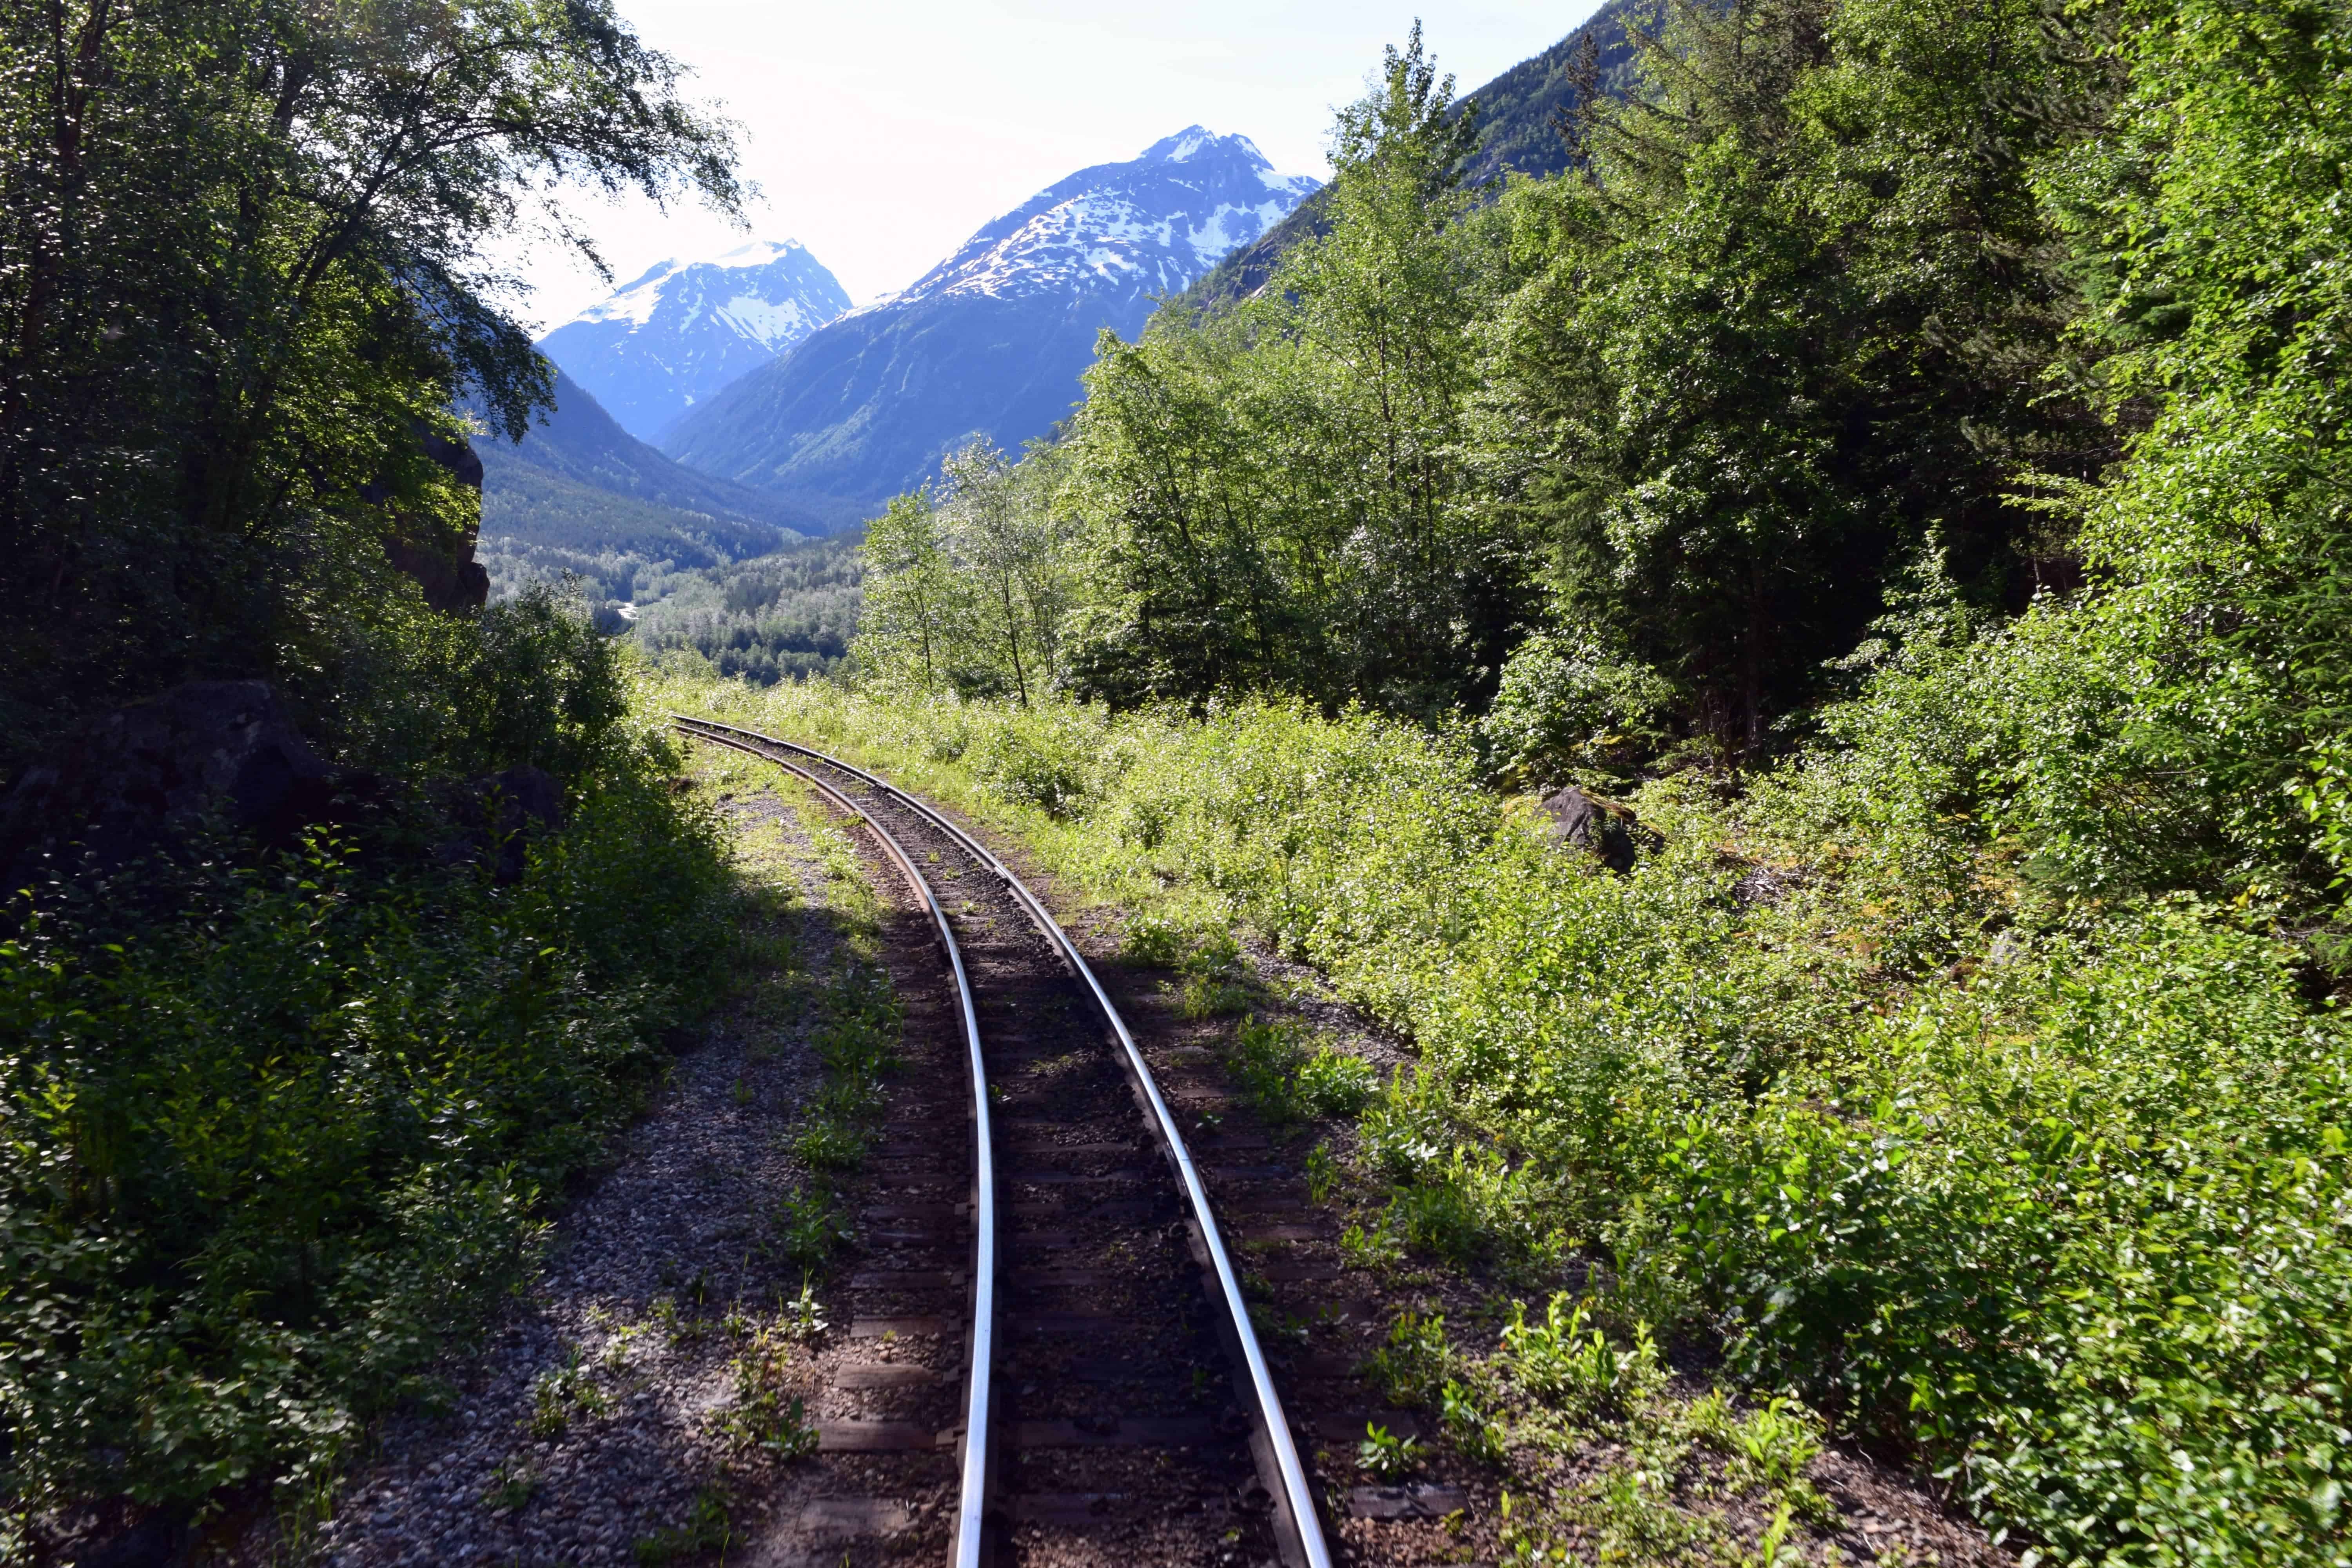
(883, 133)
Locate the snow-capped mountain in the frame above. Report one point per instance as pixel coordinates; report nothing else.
(992, 340)
(1150, 227)
(666, 341)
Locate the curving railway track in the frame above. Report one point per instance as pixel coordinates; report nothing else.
(1117, 1407)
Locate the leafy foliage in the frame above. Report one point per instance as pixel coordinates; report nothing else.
(969, 582)
(274, 1129)
(241, 279)
(264, 1155)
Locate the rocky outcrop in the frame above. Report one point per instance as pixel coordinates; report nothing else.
(454, 582)
(146, 778)
(127, 782)
(1601, 827)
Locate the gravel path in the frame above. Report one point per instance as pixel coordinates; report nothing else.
(588, 1430)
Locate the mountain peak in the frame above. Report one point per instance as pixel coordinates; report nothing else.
(670, 338)
(1191, 141)
(759, 253)
(994, 340)
(1143, 228)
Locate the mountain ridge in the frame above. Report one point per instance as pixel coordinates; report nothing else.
(992, 340)
(579, 494)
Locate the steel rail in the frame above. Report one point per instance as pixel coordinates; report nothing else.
(971, 1503)
(1297, 1500)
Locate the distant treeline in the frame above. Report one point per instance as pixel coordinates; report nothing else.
(785, 616)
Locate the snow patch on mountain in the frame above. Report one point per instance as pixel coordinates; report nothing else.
(995, 340)
(673, 336)
(1151, 226)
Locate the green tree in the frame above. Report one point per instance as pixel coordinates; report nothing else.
(1279, 494)
(910, 621)
(240, 280)
(2196, 704)
(1797, 324)
(1009, 537)
(970, 581)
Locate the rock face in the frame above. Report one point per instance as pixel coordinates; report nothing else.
(126, 783)
(141, 779)
(453, 581)
(1601, 827)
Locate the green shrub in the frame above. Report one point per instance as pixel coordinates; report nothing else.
(1047, 758)
(1566, 708)
(1776, 1444)
(1153, 943)
(1564, 1360)
(277, 1130)
(1469, 1424)
(857, 1032)
(1388, 1455)
(1286, 1082)
(764, 1413)
(829, 1142)
(1411, 1363)
(1333, 1083)
(1435, 1216)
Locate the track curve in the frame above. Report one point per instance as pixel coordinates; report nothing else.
(972, 1485)
(1069, 1472)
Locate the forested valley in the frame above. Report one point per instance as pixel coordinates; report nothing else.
(1800, 666)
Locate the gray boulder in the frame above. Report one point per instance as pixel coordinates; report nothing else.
(126, 783)
(1609, 832)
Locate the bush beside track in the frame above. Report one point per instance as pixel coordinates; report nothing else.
(276, 1130)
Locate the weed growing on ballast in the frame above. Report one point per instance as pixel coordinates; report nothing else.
(765, 1414)
(706, 1528)
(1389, 1456)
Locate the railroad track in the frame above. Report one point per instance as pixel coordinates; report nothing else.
(1116, 1406)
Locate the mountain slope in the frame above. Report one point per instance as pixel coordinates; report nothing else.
(580, 494)
(1518, 127)
(668, 340)
(991, 342)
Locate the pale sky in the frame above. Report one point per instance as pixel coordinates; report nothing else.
(883, 133)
